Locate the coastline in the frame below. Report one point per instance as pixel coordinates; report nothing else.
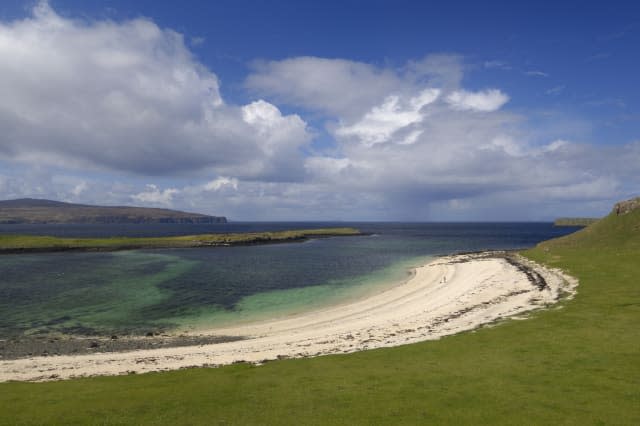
(446, 296)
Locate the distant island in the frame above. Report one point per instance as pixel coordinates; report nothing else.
(575, 221)
(38, 211)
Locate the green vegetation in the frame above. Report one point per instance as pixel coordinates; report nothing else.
(574, 221)
(576, 363)
(29, 243)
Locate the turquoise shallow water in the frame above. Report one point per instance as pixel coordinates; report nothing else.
(281, 303)
(136, 292)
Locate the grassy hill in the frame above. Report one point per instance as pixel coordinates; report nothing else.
(29, 210)
(614, 233)
(575, 363)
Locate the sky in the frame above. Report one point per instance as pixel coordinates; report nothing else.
(307, 110)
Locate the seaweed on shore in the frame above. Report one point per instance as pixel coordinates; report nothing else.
(534, 277)
(25, 347)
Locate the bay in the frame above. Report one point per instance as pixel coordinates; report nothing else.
(141, 291)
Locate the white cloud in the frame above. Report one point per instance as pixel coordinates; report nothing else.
(485, 100)
(126, 96)
(280, 140)
(79, 188)
(221, 182)
(406, 155)
(536, 73)
(274, 130)
(153, 195)
(348, 89)
(383, 121)
(556, 145)
(336, 86)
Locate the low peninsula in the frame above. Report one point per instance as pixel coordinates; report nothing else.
(39, 244)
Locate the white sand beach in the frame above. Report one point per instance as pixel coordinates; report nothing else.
(446, 296)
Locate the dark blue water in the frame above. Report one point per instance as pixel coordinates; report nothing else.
(522, 233)
(138, 291)
(155, 229)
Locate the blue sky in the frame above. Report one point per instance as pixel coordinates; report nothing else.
(372, 110)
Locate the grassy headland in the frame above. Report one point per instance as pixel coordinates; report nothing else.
(38, 211)
(29, 243)
(574, 221)
(576, 363)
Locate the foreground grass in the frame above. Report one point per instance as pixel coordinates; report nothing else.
(576, 363)
(29, 243)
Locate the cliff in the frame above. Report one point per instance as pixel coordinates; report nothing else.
(624, 207)
(28, 210)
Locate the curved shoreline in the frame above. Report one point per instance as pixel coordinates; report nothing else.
(446, 296)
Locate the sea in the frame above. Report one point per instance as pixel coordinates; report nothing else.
(190, 289)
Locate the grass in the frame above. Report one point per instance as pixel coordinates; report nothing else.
(576, 363)
(29, 243)
(574, 221)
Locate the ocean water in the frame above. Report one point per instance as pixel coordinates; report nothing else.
(135, 292)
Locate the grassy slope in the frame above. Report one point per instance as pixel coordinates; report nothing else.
(12, 243)
(576, 365)
(574, 221)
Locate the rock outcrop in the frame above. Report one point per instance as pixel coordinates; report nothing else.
(624, 207)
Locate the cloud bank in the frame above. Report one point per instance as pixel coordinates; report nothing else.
(131, 97)
(122, 112)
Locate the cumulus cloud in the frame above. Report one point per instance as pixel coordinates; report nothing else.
(347, 88)
(221, 182)
(153, 195)
(425, 140)
(335, 86)
(126, 96)
(383, 121)
(485, 100)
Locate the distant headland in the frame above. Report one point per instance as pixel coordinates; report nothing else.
(39, 211)
(574, 221)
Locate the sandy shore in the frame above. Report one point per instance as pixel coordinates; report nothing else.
(446, 296)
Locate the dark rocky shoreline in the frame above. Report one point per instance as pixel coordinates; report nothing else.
(534, 278)
(26, 347)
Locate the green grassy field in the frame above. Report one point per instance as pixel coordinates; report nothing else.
(576, 363)
(29, 243)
